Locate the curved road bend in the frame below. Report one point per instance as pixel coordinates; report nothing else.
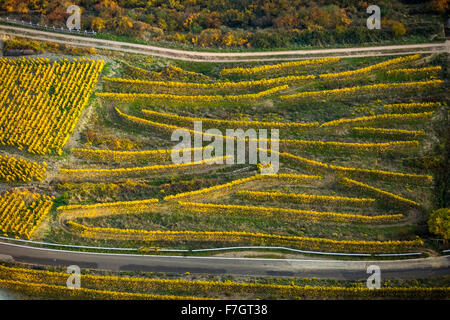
(331, 269)
(223, 56)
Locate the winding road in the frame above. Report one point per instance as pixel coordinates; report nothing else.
(320, 268)
(205, 56)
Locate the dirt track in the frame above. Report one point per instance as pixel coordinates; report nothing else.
(204, 56)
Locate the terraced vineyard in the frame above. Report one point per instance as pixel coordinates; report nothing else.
(358, 151)
(330, 165)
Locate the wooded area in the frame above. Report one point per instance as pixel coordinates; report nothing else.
(242, 23)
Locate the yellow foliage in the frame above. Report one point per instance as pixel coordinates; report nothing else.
(107, 209)
(214, 85)
(408, 71)
(283, 213)
(128, 156)
(232, 123)
(22, 212)
(276, 67)
(303, 198)
(385, 194)
(80, 174)
(15, 169)
(40, 102)
(366, 70)
(229, 185)
(380, 117)
(372, 87)
(200, 287)
(398, 133)
(198, 98)
(407, 107)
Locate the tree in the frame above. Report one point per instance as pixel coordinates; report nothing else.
(287, 21)
(209, 37)
(57, 15)
(213, 20)
(22, 8)
(108, 8)
(439, 223)
(123, 25)
(398, 29)
(234, 39)
(440, 6)
(98, 24)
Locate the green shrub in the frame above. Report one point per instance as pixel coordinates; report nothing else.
(439, 222)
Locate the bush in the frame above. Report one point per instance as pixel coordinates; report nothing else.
(439, 222)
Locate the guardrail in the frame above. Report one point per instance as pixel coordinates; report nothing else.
(219, 249)
(45, 27)
(67, 245)
(271, 248)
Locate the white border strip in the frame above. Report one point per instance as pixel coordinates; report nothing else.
(284, 248)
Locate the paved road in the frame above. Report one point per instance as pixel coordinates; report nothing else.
(330, 269)
(223, 56)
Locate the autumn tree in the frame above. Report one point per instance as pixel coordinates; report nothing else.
(234, 39)
(108, 8)
(123, 25)
(287, 21)
(440, 6)
(397, 28)
(213, 20)
(265, 24)
(209, 37)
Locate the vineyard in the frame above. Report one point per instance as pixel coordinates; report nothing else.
(88, 148)
(22, 212)
(14, 169)
(342, 193)
(42, 101)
